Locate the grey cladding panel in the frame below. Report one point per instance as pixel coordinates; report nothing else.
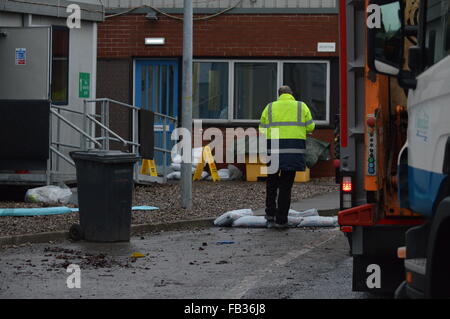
(29, 80)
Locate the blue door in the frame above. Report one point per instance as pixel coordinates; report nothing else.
(156, 89)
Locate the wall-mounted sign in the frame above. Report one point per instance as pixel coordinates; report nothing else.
(84, 85)
(21, 56)
(155, 41)
(326, 47)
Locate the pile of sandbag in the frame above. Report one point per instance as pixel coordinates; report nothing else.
(175, 166)
(246, 218)
(225, 174)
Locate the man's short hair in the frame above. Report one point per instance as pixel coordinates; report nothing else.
(284, 89)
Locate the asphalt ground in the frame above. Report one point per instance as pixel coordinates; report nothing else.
(222, 263)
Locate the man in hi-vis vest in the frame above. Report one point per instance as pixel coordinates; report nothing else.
(285, 124)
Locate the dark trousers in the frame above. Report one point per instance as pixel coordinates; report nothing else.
(279, 184)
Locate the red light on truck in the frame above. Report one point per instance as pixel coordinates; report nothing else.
(371, 122)
(347, 184)
(346, 229)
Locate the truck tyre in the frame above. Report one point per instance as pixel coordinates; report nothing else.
(75, 232)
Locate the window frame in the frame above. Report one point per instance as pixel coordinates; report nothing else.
(280, 71)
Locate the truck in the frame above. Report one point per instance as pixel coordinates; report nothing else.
(394, 145)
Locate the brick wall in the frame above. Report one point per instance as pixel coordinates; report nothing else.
(227, 36)
(321, 169)
(223, 36)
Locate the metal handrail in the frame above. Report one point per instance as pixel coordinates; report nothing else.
(76, 128)
(87, 132)
(107, 129)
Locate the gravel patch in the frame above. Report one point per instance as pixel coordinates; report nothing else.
(209, 200)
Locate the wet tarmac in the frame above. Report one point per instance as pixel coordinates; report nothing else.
(208, 263)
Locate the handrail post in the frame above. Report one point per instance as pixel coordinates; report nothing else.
(58, 139)
(83, 142)
(135, 139)
(48, 173)
(164, 154)
(107, 123)
(102, 120)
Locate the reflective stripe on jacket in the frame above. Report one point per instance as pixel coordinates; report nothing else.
(288, 121)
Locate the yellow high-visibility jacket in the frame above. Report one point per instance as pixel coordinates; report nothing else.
(288, 121)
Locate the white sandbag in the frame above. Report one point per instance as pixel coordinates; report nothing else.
(250, 221)
(196, 156)
(318, 221)
(177, 175)
(305, 213)
(204, 175)
(293, 221)
(176, 159)
(228, 218)
(174, 175)
(49, 195)
(224, 175)
(260, 221)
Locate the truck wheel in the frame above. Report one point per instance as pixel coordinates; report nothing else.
(75, 232)
(349, 238)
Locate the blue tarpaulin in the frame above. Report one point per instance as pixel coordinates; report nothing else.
(52, 210)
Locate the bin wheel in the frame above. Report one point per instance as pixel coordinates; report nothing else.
(75, 232)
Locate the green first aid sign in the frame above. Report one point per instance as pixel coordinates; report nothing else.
(84, 85)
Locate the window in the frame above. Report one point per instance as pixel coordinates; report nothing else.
(210, 90)
(60, 65)
(437, 31)
(308, 81)
(255, 85)
(238, 90)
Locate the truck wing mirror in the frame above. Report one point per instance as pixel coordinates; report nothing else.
(385, 36)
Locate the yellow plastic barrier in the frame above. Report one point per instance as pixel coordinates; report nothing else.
(253, 172)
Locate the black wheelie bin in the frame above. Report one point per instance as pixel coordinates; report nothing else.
(105, 188)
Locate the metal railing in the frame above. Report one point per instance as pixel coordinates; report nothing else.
(91, 121)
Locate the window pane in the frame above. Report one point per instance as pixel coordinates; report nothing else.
(60, 65)
(308, 81)
(210, 90)
(255, 85)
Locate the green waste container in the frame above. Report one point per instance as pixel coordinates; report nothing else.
(105, 189)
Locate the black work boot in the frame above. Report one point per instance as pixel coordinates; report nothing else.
(270, 221)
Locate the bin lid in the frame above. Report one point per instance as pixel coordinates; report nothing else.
(105, 156)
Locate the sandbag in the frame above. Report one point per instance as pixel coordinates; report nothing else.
(235, 173)
(48, 194)
(177, 175)
(177, 159)
(175, 166)
(250, 221)
(293, 221)
(319, 221)
(228, 218)
(305, 213)
(224, 175)
(260, 221)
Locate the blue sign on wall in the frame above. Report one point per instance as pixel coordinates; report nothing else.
(21, 56)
